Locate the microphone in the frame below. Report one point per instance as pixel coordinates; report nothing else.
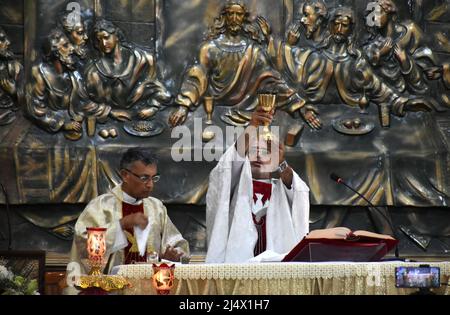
(336, 178)
(339, 180)
(8, 216)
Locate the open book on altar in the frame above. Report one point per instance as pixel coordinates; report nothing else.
(341, 244)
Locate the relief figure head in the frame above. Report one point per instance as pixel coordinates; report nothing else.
(76, 31)
(5, 51)
(234, 19)
(341, 24)
(379, 13)
(107, 36)
(57, 47)
(314, 14)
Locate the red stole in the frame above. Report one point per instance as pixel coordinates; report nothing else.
(131, 251)
(264, 189)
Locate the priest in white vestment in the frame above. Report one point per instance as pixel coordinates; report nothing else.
(136, 223)
(256, 203)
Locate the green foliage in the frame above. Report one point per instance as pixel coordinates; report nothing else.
(12, 284)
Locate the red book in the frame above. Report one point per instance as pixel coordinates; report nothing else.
(341, 244)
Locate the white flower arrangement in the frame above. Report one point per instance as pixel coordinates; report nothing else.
(5, 273)
(11, 284)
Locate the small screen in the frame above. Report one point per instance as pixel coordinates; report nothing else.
(417, 277)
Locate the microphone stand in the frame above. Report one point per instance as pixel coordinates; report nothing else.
(388, 220)
(8, 216)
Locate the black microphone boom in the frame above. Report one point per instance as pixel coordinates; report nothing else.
(339, 180)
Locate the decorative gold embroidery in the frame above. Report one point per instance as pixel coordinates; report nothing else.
(132, 240)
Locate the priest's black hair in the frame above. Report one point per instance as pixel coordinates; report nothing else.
(137, 154)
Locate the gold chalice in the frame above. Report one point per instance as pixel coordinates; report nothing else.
(267, 103)
(208, 103)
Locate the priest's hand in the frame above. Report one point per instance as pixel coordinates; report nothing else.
(172, 254)
(285, 175)
(260, 117)
(136, 219)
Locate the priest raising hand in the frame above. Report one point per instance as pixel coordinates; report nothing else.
(267, 158)
(260, 117)
(255, 201)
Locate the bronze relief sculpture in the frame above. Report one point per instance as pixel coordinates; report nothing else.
(77, 32)
(397, 50)
(56, 99)
(320, 63)
(314, 20)
(332, 57)
(124, 76)
(239, 59)
(70, 86)
(11, 81)
(232, 68)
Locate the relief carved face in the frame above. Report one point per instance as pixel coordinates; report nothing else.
(65, 52)
(383, 18)
(107, 42)
(234, 18)
(79, 35)
(4, 45)
(310, 20)
(341, 28)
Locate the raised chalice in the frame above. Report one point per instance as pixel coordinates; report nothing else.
(267, 103)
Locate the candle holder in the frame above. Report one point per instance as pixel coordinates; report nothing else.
(163, 278)
(96, 248)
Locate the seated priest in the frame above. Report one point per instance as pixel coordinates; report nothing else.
(256, 203)
(128, 208)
